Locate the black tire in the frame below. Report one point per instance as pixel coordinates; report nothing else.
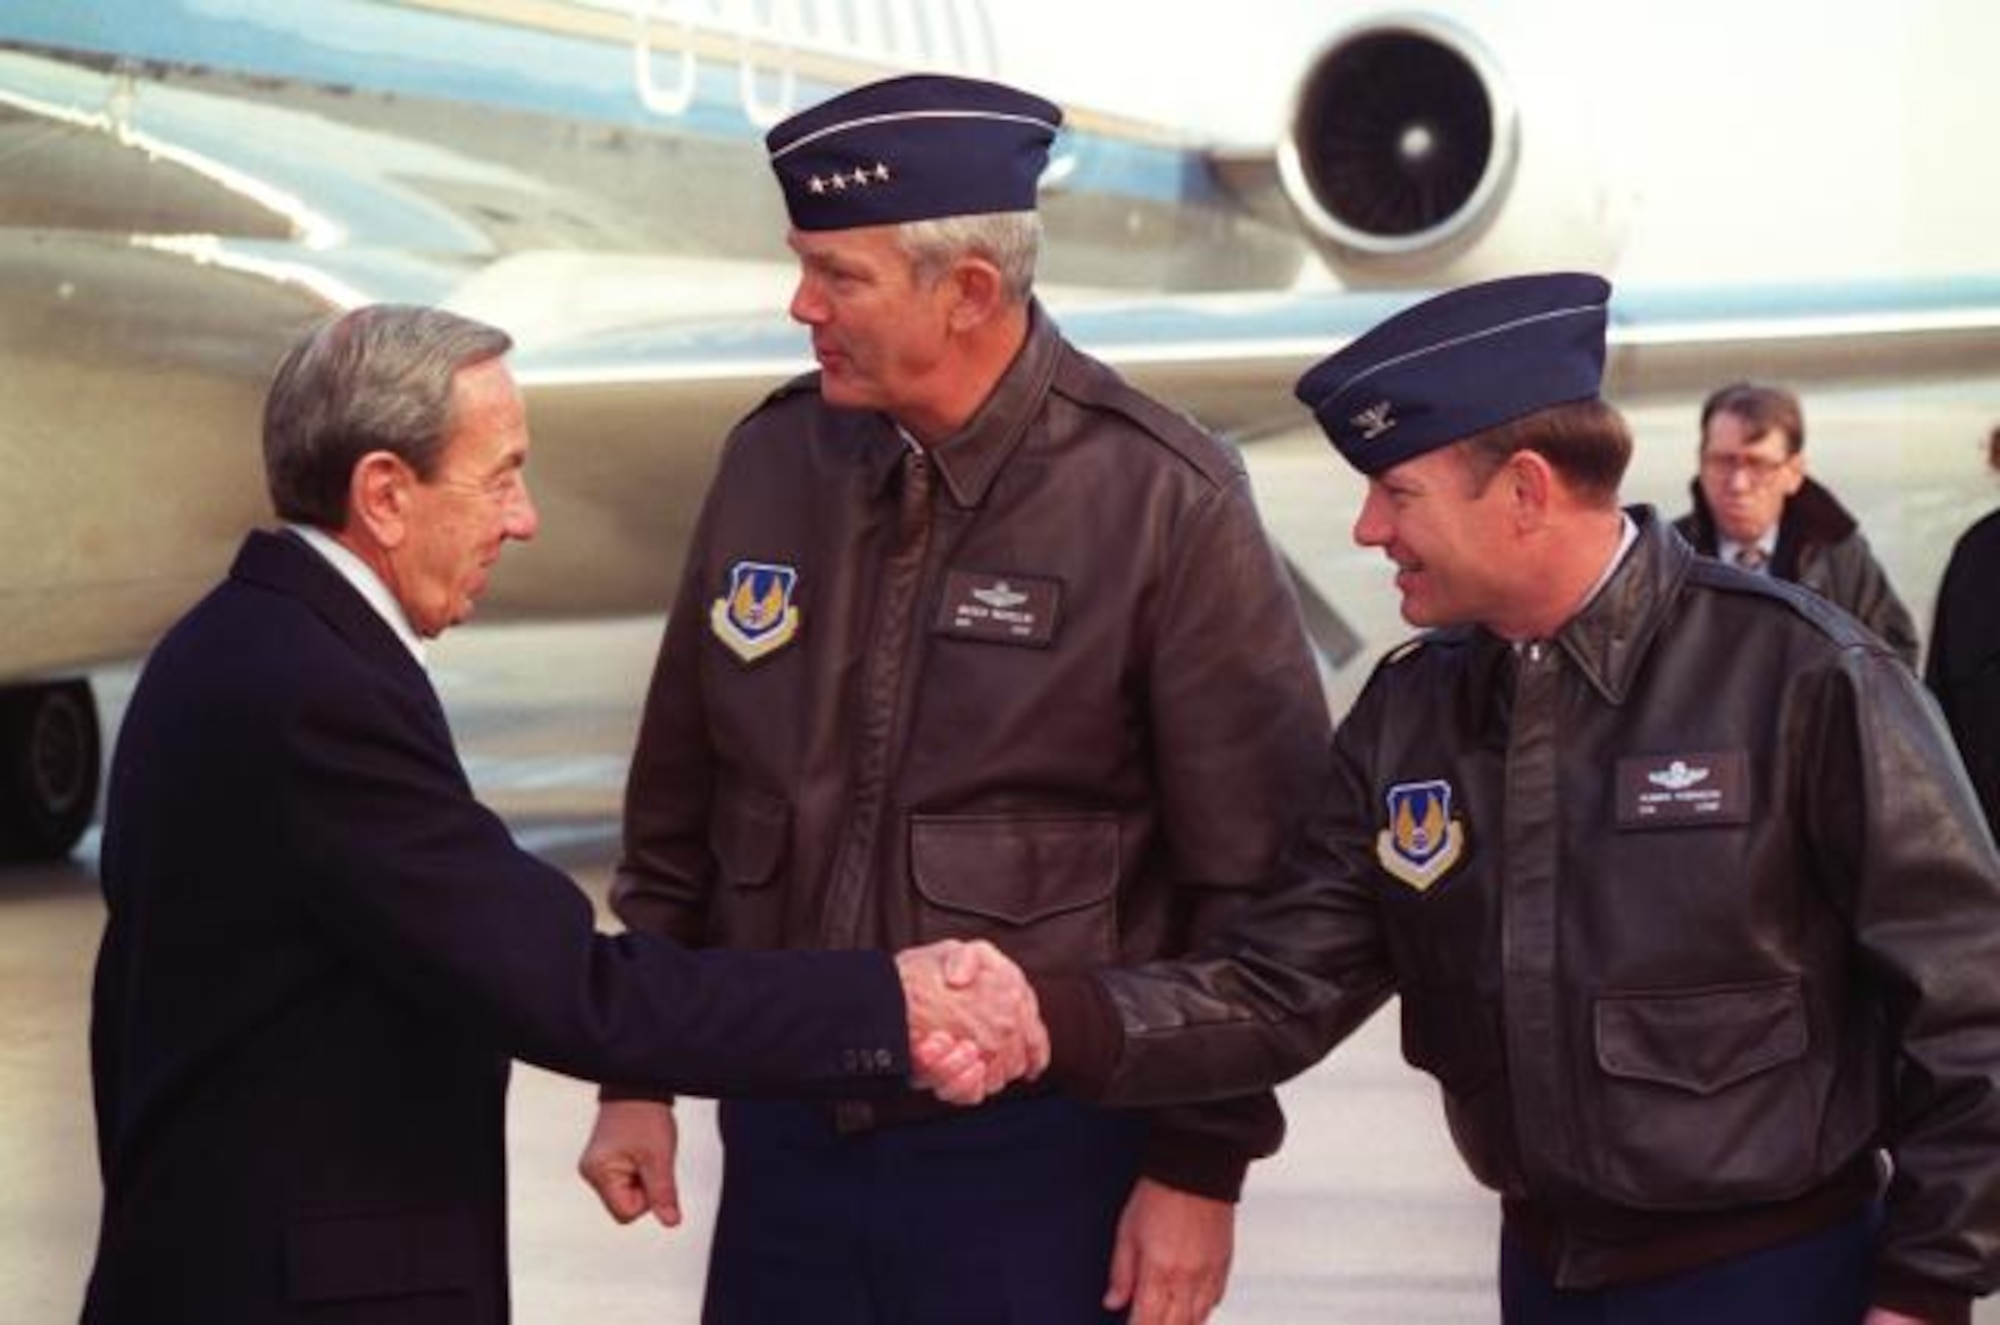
(50, 756)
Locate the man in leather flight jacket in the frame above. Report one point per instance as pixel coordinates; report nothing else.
(1687, 901)
(973, 640)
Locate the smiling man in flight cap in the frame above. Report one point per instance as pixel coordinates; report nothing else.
(973, 639)
(1684, 893)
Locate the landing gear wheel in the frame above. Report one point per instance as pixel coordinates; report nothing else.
(49, 760)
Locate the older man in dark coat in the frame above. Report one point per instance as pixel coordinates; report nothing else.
(321, 950)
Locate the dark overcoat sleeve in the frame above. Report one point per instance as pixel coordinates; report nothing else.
(426, 888)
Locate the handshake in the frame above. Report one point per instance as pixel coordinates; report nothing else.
(974, 1023)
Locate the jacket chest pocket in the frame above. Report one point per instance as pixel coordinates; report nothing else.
(748, 832)
(1042, 888)
(1704, 1100)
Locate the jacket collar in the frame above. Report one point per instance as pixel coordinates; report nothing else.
(1609, 639)
(362, 577)
(283, 563)
(971, 458)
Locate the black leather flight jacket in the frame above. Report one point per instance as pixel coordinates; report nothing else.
(1690, 909)
(1063, 703)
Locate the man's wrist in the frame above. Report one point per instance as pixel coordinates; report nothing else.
(1085, 1034)
(616, 1092)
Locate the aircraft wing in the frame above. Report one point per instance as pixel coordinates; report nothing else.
(627, 423)
(188, 184)
(1231, 360)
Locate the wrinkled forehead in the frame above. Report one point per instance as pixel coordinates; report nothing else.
(489, 416)
(874, 243)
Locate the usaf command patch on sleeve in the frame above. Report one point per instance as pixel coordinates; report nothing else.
(1422, 840)
(756, 615)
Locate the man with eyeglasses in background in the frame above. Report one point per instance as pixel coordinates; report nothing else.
(1755, 508)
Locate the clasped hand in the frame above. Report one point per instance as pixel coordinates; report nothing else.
(974, 1023)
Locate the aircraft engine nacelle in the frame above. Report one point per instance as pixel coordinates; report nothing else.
(1406, 161)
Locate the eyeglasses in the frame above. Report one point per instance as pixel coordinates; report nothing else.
(1757, 469)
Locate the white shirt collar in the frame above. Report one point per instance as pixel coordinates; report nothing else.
(366, 583)
(1628, 534)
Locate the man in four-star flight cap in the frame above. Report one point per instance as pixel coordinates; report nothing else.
(1683, 891)
(973, 639)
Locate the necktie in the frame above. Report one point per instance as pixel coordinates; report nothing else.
(1751, 557)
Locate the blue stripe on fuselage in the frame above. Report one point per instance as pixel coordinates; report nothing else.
(388, 48)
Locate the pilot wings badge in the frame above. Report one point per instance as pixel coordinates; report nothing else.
(1422, 840)
(1678, 776)
(1000, 595)
(755, 615)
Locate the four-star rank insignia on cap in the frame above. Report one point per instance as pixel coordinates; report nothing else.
(1422, 840)
(755, 615)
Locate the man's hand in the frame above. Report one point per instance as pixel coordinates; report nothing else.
(1171, 1262)
(1885, 1316)
(974, 1026)
(629, 1160)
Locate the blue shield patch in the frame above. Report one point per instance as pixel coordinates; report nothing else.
(756, 614)
(1422, 840)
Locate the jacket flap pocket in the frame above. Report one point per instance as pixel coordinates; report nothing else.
(748, 830)
(338, 1258)
(1019, 869)
(1702, 1040)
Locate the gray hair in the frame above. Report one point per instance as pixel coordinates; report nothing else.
(377, 378)
(1008, 240)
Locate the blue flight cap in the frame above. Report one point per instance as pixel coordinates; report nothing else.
(912, 149)
(1459, 363)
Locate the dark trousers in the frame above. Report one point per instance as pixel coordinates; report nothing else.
(1002, 1216)
(1821, 1279)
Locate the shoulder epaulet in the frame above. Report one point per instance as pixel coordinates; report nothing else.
(1446, 639)
(1829, 620)
(1098, 385)
(1405, 650)
(802, 383)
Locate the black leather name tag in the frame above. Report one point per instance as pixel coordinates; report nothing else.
(999, 609)
(1684, 790)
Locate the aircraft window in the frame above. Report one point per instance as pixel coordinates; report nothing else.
(773, 34)
(679, 95)
(770, 43)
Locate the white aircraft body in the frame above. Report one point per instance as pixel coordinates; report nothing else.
(186, 184)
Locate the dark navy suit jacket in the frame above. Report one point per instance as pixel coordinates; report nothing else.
(321, 952)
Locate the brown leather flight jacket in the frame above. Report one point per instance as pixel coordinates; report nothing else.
(1061, 700)
(1689, 908)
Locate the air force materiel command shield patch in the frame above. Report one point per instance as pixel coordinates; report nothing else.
(1422, 840)
(755, 615)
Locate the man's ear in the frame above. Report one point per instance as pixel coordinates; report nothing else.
(1793, 475)
(378, 498)
(1531, 489)
(977, 294)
